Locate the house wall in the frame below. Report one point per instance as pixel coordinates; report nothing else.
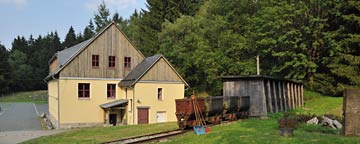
(146, 95)
(161, 71)
(77, 112)
(53, 66)
(111, 42)
(53, 101)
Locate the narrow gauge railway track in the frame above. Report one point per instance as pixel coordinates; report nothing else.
(148, 137)
(156, 136)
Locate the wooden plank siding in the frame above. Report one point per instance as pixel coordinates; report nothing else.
(161, 71)
(53, 65)
(111, 42)
(267, 95)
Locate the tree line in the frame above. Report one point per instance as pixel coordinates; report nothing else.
(313, 41)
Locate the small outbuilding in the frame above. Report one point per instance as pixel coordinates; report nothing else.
(267, 94)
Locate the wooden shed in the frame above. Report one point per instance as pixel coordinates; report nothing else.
(267, 94)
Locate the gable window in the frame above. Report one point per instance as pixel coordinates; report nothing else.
(83, 90)
(160, 94)
(127, 62)
(95, 60)
(111, 61)
(111, 90)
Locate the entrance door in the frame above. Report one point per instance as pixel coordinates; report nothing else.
(160, 117)
(113, 119)
(143, 115)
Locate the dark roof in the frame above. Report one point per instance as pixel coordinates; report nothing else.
(114, 103)
(66, 55)
(251, 77)
(141, 69)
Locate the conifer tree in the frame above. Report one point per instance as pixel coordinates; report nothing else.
(102, 18)
(70, 38)
(89, 30)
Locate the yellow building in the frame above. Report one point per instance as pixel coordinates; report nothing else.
(106, 81)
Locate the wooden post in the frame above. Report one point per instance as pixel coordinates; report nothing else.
(299, 96)
(286, 106)
(269, 103)
(302, 95)
(292, 96)
(275, 97)
(296, 95)
(281, 100)
(288, 94)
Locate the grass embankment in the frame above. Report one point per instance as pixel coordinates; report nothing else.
(259, 131)
(267, 130)
(32, 96)
(104, 134)
(244, 131)
(318, 104)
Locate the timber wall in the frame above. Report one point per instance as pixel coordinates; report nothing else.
(112, 42)
(267, 94)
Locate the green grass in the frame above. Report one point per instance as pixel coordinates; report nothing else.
(256, 131)
(32, 96)
(266, 130)
(317, 104)
(104, 134)
(244, 131)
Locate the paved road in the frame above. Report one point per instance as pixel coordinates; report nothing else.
(19, 117)
(13, 137)
(19, 122)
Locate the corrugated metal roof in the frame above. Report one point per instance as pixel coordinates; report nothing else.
(138, 71)
(114, 103)
(225, 78)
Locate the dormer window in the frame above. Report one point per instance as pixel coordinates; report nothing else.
(95, 60)
(111, 61)
(127, 62)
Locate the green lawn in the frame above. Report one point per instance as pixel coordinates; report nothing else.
(104, 134)
(256, 131)
(32, 96)
(266, 130)
(244, 131)
(317, 104)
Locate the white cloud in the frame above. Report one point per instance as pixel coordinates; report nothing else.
(17, 3)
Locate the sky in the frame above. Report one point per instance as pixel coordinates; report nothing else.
(40, 17)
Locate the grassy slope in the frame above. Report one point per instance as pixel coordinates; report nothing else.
(317, 104)
(245, 131)
(258, 131)
(32, 96)
(103, 134)
(266, 131)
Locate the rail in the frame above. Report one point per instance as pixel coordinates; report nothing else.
(148, 137)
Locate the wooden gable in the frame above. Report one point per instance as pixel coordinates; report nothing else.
(161, 71)
(110, 42)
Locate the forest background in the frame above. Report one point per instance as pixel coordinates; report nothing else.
(316, 42)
